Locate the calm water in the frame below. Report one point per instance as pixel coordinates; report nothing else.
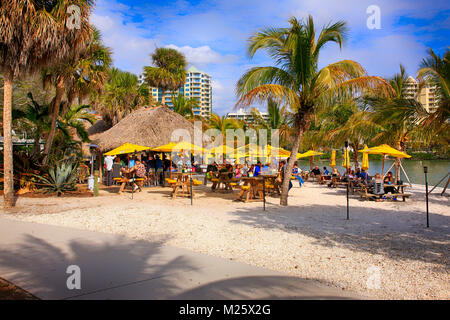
(437, 169)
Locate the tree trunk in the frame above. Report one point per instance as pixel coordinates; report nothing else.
(290, 165)
(163, 97)
(8, 182)
(397, 163)
(311, 162)
(55, 112)
(36, 146)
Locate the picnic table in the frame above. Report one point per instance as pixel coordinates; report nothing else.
(367, 192)
(181, 182)
(253, 188)
(223, 181)
(271, 185)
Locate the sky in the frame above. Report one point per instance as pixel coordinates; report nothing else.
(213, 34)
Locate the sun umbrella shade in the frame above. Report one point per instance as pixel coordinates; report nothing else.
(225, 150)
(384, 149)
(309, 153)
(126, 148)
(365, 161)
(179, 147)
(333, 159)
(259, 151)
(346, 163)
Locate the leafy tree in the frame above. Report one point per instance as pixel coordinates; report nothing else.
(168, 72)
(296, 79)
(33, 35)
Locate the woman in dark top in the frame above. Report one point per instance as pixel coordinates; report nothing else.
(389, 179)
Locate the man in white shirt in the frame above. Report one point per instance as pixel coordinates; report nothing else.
(109, 161)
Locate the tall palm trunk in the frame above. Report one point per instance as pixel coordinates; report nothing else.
(402, 148)
(36, 145)
(8, 181)
(55, 112)
(290, 165)
(311, 162)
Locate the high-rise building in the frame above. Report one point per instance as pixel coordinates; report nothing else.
(197, 86)
(245, 115)
(427, 96)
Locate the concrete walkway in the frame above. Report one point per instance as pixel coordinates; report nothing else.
(36, 257)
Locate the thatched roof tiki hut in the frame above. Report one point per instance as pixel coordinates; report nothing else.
(151, 127)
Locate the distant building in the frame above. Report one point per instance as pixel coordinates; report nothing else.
(246, 115)
(197, 86)
(427, 96)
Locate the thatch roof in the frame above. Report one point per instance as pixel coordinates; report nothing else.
(151, 127)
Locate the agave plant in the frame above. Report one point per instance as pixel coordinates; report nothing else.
(60, 179)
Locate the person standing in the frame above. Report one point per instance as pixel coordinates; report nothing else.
(109, 161)
(159, 168)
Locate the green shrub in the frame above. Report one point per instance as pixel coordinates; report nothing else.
(60, 179)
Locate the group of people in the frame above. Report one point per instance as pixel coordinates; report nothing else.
(136, 169)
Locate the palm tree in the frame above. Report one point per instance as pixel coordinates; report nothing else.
(80, 75)
(33, 35)
(36, 117)
(399, 117)
(121, 96)
(184, 106)
(435, 71)
(296, 78)
(169, 71)
(278, 119)
(73, 122)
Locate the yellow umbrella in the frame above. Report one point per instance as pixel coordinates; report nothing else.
(386, 150)
(126, 148)
(346, 163)
(333, 159)
(258, 151)
(365, 161)
(180, 146)
(309, 153)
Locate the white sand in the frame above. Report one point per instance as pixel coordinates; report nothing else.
(310, 239)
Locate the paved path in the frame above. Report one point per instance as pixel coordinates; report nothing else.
(36, 257)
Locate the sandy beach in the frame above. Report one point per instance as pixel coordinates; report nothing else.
(384, 251)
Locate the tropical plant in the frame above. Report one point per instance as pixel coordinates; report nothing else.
(184, 106)
(278, 119)
(34, 117)
(59, 179)
(296, 79)
(33, 34)
(120, 97)
(435, 72)
(72, 123)
(168, 72)
(82, 73)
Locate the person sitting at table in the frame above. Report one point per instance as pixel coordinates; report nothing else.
(238, 172)
(116, 169)
(257, 169)
(363, 176)
(210, 170)
(357, 173)
(325, 171)
(316, 171)
(389, 179)
(131, 162)
(251, 170)
(138, 170)
(334, 176)
(297, 173)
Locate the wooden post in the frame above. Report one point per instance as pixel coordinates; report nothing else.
(100, 169)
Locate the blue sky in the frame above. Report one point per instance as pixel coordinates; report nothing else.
(213, 34)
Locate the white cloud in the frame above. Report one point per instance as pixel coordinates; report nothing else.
(203, 55)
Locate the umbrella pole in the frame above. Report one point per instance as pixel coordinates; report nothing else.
(382, 168)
